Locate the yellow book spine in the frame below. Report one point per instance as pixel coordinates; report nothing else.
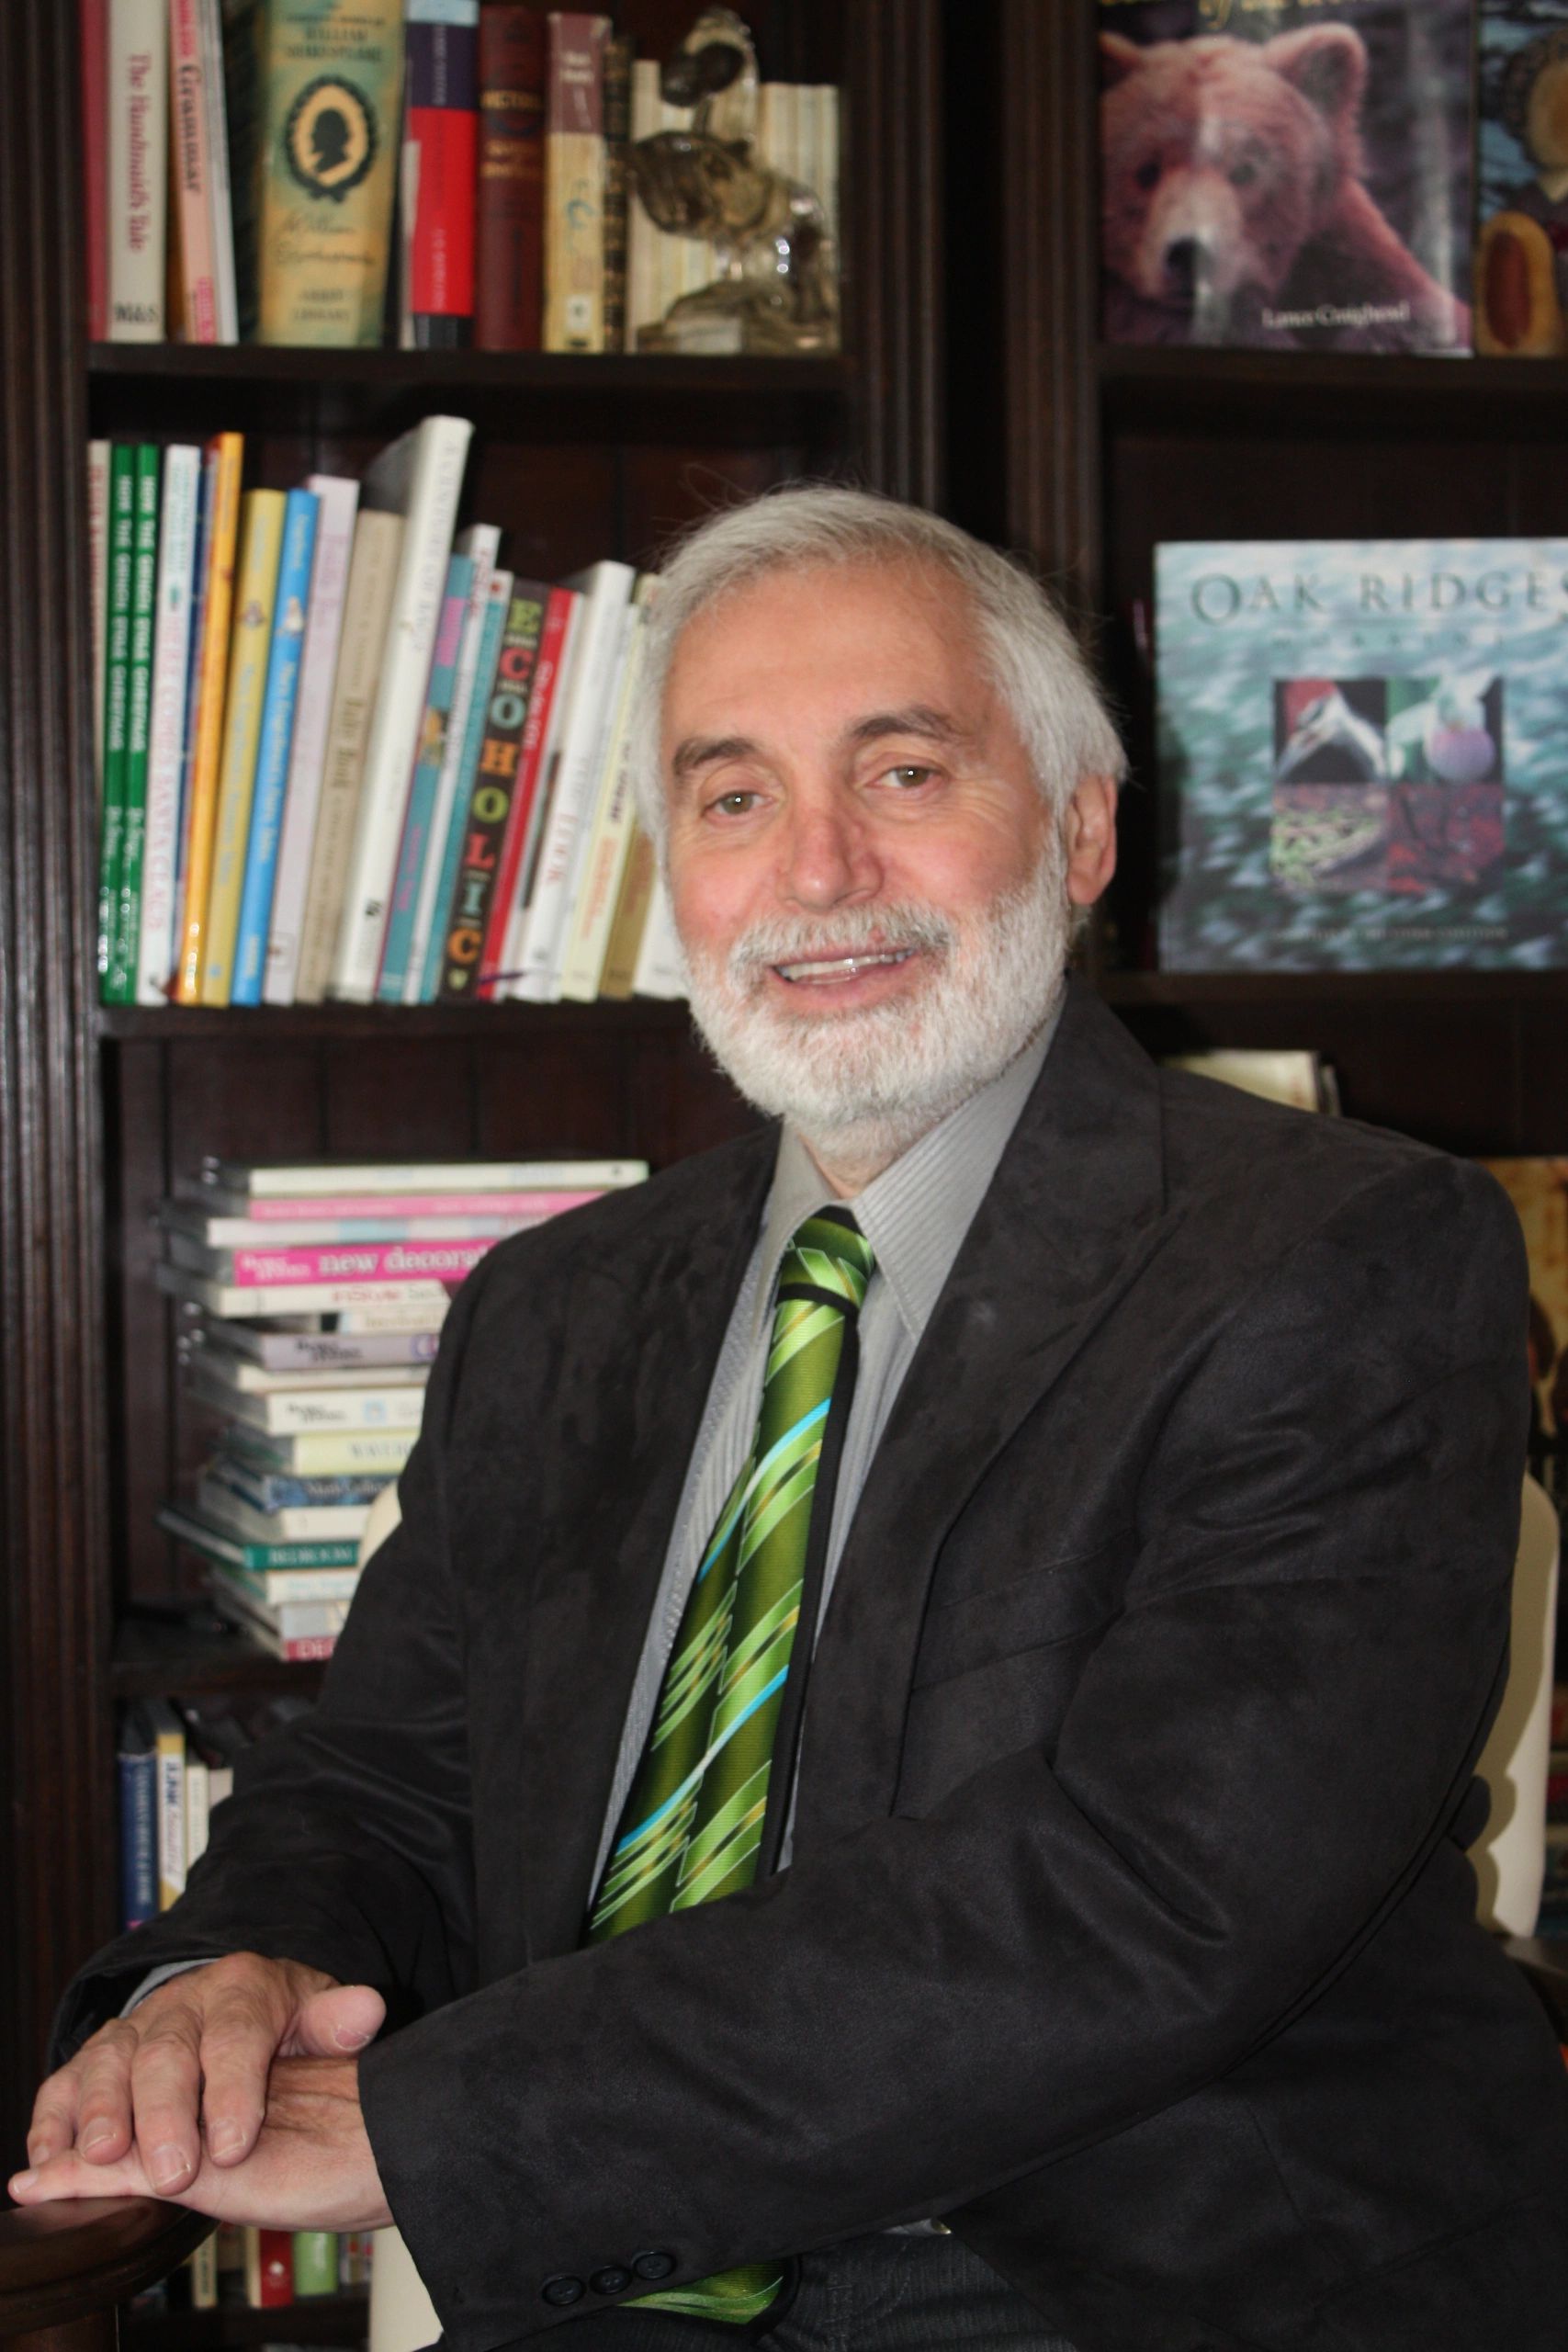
(255, 586)
(203, 805)
(630, 917)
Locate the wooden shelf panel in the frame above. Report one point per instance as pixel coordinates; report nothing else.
(306, 1023)
(1130, 990)
(152, 1657)
(317, 2319)
(1336, 395)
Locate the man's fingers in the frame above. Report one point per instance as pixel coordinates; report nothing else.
(69, 2175)
(54, 2127)
(246, 2025)
(342, 2019)
(166, 2094)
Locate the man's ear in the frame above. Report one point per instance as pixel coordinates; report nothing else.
(1118, 58)
(1327, 64)
(1088, 836)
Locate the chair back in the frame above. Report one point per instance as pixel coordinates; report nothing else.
(1509, 1859)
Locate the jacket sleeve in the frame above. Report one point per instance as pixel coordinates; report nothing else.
(346, 1843)
(1259, 1755)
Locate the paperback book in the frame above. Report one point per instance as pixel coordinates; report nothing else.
(1359, 754)
(1287, 174)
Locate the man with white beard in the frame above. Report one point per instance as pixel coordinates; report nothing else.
(904, 1778)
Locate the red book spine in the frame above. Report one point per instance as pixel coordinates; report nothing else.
(509, 281)
(547, 676)
(92, 33)
(442, 126)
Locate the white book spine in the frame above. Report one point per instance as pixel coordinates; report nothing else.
(199, 1807)
(599, 882)
(220, 201)
(481, 545)
(607, 591)
(98, 565)
(338, 506)
(139, 167)
(166, 750)
(400, 707)
(661, 965)
(188, 119)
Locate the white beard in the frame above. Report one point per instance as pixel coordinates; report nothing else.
(872, 1081)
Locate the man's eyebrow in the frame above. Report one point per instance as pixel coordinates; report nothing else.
(702, 750)
(914, 719)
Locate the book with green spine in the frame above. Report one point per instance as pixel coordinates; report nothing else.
(119, 984)
(117, 641)
(332, 89)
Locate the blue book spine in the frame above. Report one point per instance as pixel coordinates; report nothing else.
(426, 777)
(277, 734)
(473, 742)
(137, 1770)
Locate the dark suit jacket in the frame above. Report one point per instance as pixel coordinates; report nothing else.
(1128, 1924)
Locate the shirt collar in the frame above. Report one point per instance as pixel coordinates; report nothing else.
(917, 1212)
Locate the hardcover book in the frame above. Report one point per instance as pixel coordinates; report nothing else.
(1359, 754)
(1293, 174)
(1521, 258)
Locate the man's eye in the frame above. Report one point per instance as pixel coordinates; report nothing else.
(909, 774)
(733, 804)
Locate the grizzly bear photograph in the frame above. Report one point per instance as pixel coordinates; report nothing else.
(1307, 189)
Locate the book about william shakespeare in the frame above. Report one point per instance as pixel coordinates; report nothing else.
(1287, 174)
(1360, 755)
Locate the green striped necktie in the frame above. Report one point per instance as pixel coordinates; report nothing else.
(693, 1824)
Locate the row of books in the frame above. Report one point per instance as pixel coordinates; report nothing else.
(252, 168)
(1338, 175)
(317, 1293)
(342, 753)
(175, 1762)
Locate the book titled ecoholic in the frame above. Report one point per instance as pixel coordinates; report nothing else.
(1360, 755)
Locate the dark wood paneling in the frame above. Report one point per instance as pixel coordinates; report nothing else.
(55, 1844)
(560, 1093)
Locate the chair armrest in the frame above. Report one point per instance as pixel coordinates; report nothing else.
(63, 2267)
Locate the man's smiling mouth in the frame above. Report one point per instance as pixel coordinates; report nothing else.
(842, 967)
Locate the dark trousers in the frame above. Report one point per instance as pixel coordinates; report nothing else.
(887, 2294)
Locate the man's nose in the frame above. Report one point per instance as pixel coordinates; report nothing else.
(829, 856)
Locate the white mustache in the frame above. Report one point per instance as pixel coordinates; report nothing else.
(880, 931)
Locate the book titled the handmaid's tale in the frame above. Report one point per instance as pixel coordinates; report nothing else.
(1363, 754)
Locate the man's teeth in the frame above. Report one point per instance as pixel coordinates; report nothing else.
(842, 967)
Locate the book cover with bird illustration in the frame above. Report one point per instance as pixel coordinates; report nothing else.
(1360, 755)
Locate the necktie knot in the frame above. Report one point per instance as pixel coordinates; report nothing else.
(827, 1258)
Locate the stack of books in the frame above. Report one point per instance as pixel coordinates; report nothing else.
(317, 1292)
(343, 753)
(241, 168)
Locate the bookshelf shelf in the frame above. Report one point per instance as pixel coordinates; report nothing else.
(303, 1024)
(1289, 991)
(1345, 396)
(152, 1658)
(317, 2319)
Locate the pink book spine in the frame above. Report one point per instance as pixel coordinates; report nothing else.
(369, 1261)
(527, 1208)
(193, 169)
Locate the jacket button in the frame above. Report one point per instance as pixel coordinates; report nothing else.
(561, 2290)
(656, 2265)
(612, 2280)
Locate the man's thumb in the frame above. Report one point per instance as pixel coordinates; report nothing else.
(343, 2020)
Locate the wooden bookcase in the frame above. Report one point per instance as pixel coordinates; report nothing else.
(101, 1112)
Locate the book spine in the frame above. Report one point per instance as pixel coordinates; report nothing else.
(618, 59)
(117, 670)
(242, 28)
(266, 1491)
(574, 183)
(274, 744)
(480, 545)
(226, 453)
(221, 210)
(629, 920)
(137, 86)
(169, 1753)
(331, 77)
(328, 1454)
(138, 1775)
(441, 455)
(120, 982)
(510, 227)
(250, 644)
(206, 507)
(326, 1261)
(606, 625)
(441, 141)
(166, 754)
(292, 1180)
(514, 877)
(291, 1413)
(367, 609)
(315, 2263)
(447, 897)
(192, 168)
(396, 1216)
(591, 904)
(338, 502)
(92, 37)
(98, 569)
(660, 968)
(496, 784)
(283, 1352)
(541, 760)
(414, 849)
(644, 237)
(269, 2268)
(289, 1556)
(199, 1807)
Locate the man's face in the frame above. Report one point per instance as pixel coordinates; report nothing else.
(872, 891)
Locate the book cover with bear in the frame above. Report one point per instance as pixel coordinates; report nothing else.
(1521, 261)
(1360, 755)
(1287, 174)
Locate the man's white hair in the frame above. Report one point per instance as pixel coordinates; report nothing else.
(1035, 666)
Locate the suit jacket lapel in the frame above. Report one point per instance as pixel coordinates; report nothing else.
(644, 1342)
(1073, 1213)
